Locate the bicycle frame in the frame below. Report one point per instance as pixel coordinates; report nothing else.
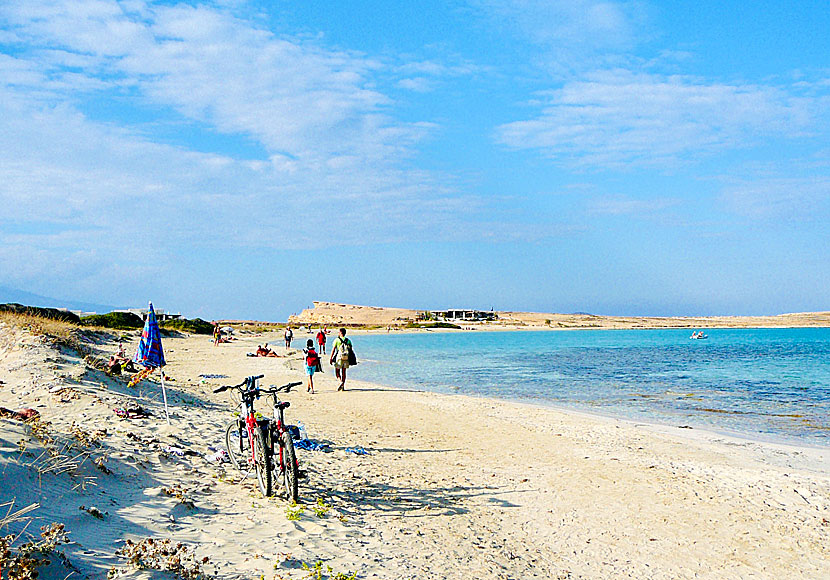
(250, 423)
(263, 435)
(277, 428)
(249, 393)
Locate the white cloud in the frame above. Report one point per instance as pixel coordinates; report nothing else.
(614, 118)
(570, 33)
(626, 205)
(780, 198)
(122, 190)
(212, 67)
(417, 84)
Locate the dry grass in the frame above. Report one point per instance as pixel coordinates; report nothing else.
(57, 457)
(57, 331)
(22, 563)
(14, 516)
(165, 555)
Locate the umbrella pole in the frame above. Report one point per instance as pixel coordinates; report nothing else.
(164, 394)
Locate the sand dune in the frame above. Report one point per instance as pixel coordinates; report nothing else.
(451, 487)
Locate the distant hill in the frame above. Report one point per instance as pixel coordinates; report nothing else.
(334, 314)
(29, 299)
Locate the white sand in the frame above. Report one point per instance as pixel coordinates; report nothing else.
(453, 487)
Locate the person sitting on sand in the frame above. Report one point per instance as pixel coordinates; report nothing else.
(121, 358)
(113, 367)
(265, 351)
(312, 362)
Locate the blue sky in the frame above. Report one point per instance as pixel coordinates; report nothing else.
(241, 159)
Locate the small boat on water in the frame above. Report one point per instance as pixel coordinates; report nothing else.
(699, 335)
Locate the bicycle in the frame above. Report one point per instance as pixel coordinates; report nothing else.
(251, 438)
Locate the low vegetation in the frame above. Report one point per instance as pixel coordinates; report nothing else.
(115, 320)
(321, 508)
(192, 326)
(164, 555)
(294, 512)
(315, 572)
(433, 325)
(21, 563)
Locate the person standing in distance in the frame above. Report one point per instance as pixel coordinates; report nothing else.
(289, 334)
(340, 353)
(321, 341)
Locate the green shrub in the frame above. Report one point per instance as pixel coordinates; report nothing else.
(117, 320)
(193, 326)
(441, 325)
(432, 325)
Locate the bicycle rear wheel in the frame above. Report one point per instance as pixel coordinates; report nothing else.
(290, 471)
(237, 445)
(263, 462)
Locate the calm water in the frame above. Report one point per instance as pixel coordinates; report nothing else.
(758, 382)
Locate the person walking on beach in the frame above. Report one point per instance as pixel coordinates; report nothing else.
(312, 363)
(321, 341)
(289, 334)
(341, 353)
(217, 334)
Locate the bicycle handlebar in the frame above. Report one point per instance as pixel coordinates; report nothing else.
(252, 380)
(287, 388)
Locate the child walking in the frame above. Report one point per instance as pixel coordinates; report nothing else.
(312, 361)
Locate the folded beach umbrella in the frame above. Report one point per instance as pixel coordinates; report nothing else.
(150, 354)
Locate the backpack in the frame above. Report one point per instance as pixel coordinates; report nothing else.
(344, 348)
(312, 359)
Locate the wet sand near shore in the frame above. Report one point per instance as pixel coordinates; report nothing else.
(450, 486)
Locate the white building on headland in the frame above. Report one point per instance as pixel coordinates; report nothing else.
(467, 315)
(140, 312)
(161, 314)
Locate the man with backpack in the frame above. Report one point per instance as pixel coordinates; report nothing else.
(342, 355)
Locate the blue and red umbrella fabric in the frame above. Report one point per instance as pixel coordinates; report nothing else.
(150, 352)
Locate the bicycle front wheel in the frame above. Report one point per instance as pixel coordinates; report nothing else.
(263, 462)
(290, 470)
(237, 444)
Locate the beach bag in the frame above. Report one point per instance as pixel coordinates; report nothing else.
(352, 357)
(312, 359)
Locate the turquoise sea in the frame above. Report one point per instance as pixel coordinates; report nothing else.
(761, 383)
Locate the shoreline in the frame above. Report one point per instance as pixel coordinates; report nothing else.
(690, 423)
(819, 455)
(696, 433)
(451, 486)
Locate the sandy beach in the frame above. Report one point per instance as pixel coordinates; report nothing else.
(450, 486)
